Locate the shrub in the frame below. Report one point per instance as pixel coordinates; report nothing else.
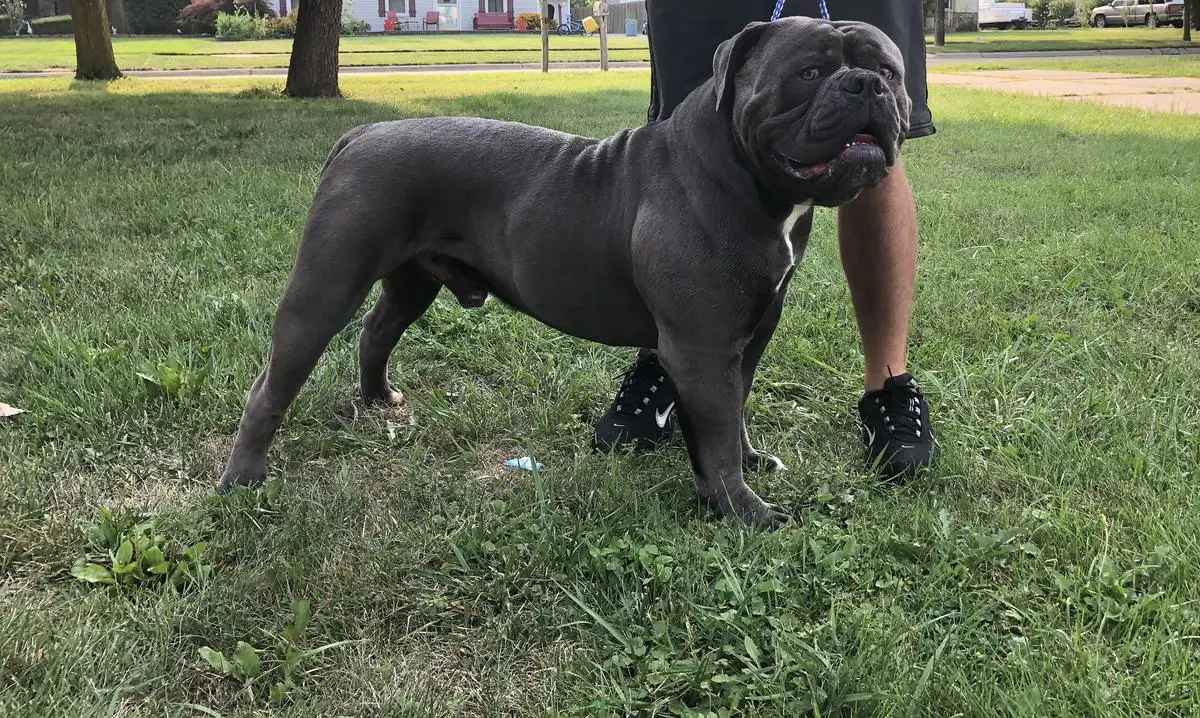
(201, 16)
(1062, 10)
(241, 25)
(56, 25)
(153, 17)
(353, 26)
(284, 26)
(533, 22)
(12, 16)
(1041, 12)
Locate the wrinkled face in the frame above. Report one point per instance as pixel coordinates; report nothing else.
(819, 109)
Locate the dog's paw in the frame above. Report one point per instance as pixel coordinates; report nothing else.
(758, 461)
(232, 480)
(386, 398)
(747, 506)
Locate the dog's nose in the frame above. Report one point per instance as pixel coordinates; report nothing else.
(858, 82)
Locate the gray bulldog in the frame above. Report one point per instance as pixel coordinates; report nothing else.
(679, 236)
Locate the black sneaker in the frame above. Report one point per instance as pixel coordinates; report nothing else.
(895, 427)
(643, 412)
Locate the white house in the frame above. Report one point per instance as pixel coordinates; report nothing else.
(452, 15)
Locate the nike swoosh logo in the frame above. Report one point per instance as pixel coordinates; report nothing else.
(660, 417)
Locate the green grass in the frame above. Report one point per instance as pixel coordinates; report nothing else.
(171, 53)
(1149, 66)
(1085, 38)
(166, 53)
(1048, 566)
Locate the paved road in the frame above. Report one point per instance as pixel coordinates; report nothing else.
(934, 60)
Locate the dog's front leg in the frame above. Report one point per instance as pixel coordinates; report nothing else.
(709, 385)
(752, 459)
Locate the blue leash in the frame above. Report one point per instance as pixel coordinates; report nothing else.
(779, 10)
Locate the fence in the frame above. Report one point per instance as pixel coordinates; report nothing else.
(619, 12)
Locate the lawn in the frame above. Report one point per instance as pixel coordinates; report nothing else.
(168, 53)
(1147, 66)
(1085, 38)
(1048, 566)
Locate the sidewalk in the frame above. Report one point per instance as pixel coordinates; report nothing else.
(1163, 94)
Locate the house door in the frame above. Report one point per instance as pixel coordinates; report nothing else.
(448, 15)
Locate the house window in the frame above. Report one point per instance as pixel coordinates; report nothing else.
(495, 6)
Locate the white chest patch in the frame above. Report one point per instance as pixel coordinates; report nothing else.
(788, 224)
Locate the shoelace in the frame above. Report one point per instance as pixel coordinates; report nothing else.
(900, 409)
(639, 383)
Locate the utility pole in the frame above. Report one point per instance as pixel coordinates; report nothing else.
(545, 38)
(600, 9)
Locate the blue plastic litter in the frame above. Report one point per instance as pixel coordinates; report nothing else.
(524, 462)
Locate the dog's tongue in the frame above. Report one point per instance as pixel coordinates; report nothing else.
(864, 139)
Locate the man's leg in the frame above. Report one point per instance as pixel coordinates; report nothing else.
(877, 236)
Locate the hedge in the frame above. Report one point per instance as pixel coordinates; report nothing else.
(56, 25)
(153, 17)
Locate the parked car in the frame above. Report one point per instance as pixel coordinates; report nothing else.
(1131, 12)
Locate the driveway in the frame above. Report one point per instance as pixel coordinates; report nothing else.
(1164, 94)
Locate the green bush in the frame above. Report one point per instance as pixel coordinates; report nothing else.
(57, 25)
(12, 16)
(1041, 12)
(200, 17)
(153, 17)
(1062, 10)
(533, 22)
(353, 26)
(284, 26)
(236, 26)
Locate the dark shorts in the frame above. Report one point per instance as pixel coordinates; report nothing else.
(684, 34)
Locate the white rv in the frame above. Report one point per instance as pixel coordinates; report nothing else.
(1003, 15)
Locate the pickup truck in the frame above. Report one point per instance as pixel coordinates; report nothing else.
(1130, 12)
(1003, 15)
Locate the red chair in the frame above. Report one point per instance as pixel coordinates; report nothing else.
(389, 23)
(431, 18)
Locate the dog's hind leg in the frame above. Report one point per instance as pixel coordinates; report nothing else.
(406, 294)
(327, 284)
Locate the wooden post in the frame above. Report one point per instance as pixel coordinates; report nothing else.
(939, 24)
(545, 38)
(601, 12)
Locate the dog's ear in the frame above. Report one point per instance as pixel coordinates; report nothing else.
(729, 58)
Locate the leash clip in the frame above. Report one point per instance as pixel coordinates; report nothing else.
(779, 10)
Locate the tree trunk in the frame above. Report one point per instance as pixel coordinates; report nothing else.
(939, 23)
(94, 58)
(1187, 22)
(313, 69)
(117, 17)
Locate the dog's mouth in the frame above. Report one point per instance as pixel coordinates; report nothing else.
(861, 148)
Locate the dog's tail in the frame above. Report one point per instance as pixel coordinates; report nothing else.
(342, 143)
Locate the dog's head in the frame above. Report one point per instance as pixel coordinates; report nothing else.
(817, 108)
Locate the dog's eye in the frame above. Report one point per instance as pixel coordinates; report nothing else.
(810, 74)
(888, 73)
